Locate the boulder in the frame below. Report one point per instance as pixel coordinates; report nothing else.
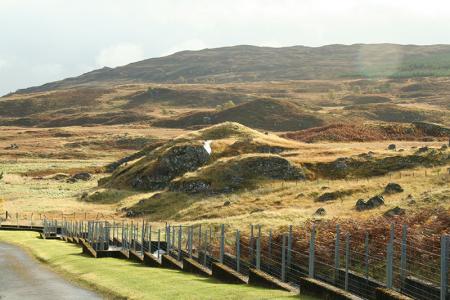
(372, 203)
(320, 212)
(392, 188)
(423, 149)
(82, 176)
(227, 203)
(328, 196)
(396, 211)
(392, 147)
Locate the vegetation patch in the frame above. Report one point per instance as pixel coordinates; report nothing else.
(276, 115)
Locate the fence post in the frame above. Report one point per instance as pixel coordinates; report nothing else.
(283, 259)
(289, 249)
(159, 241)
(337, 254)
(347, 260)
(190, 236)
(206, 247)
(150, 238)
(222, 243)
(311, 257)
(143, 233)
(180, 236)
(444, 267)
(366, 255)
(238, 251)
(389, 258)
(251, 244)
(403, 255)
(199, 235)
(258, 253)
(270, 249)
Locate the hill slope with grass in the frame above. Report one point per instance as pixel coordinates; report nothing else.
(276, 115)
(251, 63)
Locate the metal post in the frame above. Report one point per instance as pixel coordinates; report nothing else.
(270, 249)
(190, 235)
(222, 243)
(283, 259)
(205, 247)
(366, 255)
(238, 251)
(312, 244)
(180, 236)
(337, 254)
(251, 244)
(143, 233)
(199, 235)
(289, 249)
(403, 255)
(390, 258)
(258, 253)
(347, 259)
(444, 267)
(150, 238)
(159, 240)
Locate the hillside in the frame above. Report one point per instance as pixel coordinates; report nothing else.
(277, 115)
(251, 63)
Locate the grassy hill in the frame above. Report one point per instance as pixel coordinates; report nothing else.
(251, 63)
(268, 114)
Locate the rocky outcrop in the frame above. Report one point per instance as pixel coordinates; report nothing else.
(227, 175)
(432, 129)
(372, 203)
(393, 188)
(174, 162)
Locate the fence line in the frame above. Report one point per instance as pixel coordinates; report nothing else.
(356, 261)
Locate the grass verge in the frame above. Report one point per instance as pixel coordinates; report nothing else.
(116, 278)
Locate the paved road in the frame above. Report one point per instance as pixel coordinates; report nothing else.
(21, 277)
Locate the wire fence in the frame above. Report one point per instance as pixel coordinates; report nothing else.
(358, 261)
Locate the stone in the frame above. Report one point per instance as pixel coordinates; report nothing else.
(444, 147)
(320, 212)
(410, 199)
(372, 203)
(328, 196)
(82, 176)
(392, 147)
(392, 188)
(227, 203)
(423, 149)
(396, 211)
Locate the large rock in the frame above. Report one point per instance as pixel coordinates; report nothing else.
(392, 188)
(396, 211)
(372, 203)
(172, 163)
(243, 171)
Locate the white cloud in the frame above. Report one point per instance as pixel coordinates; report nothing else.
(119, 55)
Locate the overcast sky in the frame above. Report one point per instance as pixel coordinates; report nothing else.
(47, 40)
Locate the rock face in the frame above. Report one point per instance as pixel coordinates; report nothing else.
(232, 174)
(373, 202)
(174, 162)
(392, 188)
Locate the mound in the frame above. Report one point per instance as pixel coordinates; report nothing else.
(369, 132)
(186, 97)
(276, 115)
(158, 166)
(364, 99)
(394, 113)
(152, 173)
(230, 174)
(368, 166)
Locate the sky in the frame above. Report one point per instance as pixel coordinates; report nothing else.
(48, 40)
